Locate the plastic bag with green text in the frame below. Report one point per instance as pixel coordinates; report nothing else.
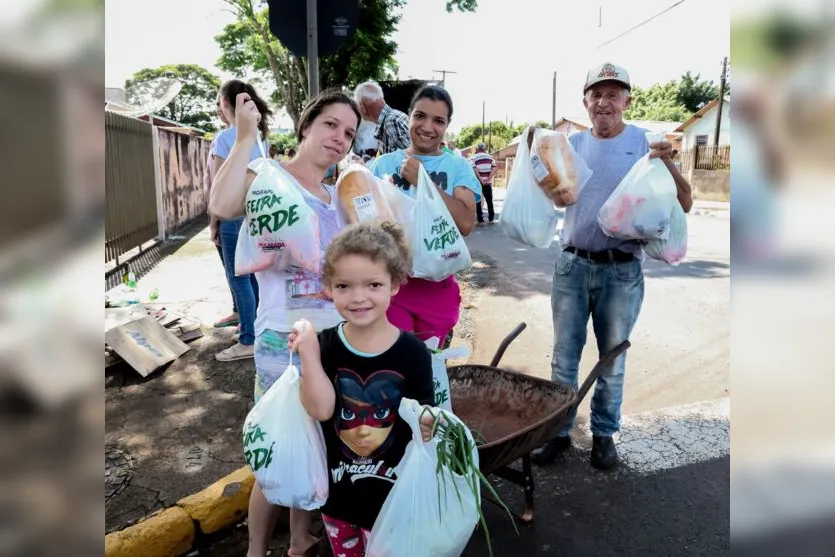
(285, 447)
(438, 249)
(280, 230)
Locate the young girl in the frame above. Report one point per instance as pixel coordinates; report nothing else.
(326, 131)
(431, 309)
(354, 376)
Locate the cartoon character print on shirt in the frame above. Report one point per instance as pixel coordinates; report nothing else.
(365, 415)
(367, 410)
(440, 179)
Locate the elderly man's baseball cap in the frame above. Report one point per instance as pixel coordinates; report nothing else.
(607, 72)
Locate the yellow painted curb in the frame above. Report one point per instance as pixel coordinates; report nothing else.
(169, 532)
(223, 503)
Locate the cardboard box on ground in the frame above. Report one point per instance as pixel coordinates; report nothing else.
(146, 336)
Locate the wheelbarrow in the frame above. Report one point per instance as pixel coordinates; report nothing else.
(510, 413)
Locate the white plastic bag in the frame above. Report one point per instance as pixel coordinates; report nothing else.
(425, 515)
(401, 204)
(641, 205)
(249, 257)
(280, 229)
(285, 447)
(440, 377)
(360, 196)
(557, 167)
(528, 215)
(438, 249)
(673, 249)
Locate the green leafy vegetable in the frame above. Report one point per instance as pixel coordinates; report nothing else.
(455, 455)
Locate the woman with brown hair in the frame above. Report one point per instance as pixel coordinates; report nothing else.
(325, 131)
(245, 287)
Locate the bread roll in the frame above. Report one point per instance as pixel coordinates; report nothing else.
(360, 198)
(553, 167)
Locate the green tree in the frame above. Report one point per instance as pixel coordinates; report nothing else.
(658, 102)
(673, 101)
(250, 51)
(694, 93)
(502, 134)
(369, 52)
(471, 135)
(284, 141)
(193, 106)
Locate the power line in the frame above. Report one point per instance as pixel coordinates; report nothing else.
(642, 23)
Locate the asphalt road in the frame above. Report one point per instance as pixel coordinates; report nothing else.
(581, 512)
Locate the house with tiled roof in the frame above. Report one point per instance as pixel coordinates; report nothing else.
(700, 129)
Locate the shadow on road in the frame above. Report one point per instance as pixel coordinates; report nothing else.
(697, 268)
(582, 512)
(537, 280)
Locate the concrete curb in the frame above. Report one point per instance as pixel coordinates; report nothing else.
(172, 531)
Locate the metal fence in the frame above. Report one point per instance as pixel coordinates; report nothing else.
(706, 157)
(131, 196)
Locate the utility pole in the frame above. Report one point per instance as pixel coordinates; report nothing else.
(312, 50)
(721, 103)
(490, 141)
(483, 105)
(443, 76)
(554, 103)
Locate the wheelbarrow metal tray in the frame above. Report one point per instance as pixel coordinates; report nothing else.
(509, 413)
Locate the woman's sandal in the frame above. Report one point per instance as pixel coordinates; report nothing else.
(227, 321)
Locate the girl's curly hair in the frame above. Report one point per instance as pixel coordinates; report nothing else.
(384, 243)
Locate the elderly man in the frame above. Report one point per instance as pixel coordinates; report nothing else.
(392, 125)
(364, 142)
(596, 275)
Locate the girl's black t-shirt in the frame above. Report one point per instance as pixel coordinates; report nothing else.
(365, 437)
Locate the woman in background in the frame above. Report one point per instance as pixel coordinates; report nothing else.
(245, 287)
(230, 320)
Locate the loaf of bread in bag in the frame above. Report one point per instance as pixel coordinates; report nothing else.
(360, 198)
(556, 175)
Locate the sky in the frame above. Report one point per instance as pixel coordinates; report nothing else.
(504, 54)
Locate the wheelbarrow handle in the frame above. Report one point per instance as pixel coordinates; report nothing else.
(606, 360)
(506, 342)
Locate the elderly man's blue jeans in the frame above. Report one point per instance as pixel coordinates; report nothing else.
(612, 294)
